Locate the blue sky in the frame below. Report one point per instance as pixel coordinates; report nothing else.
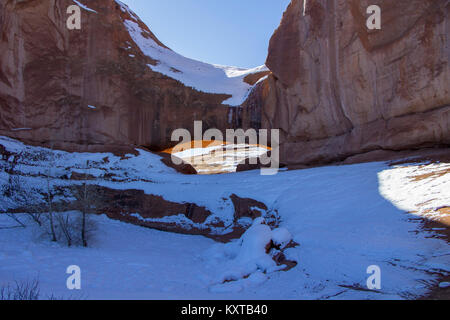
(229, 32)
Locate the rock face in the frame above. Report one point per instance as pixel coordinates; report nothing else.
(245, 207)
(184, 167)
(90, 89)
(338, 89)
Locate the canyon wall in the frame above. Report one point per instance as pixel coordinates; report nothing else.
(90, 89)
(337, 90)
(340, 90)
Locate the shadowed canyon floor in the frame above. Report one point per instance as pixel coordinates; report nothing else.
(344, 218)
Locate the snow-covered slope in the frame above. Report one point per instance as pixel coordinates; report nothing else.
(198, 75)
(421, 189)
(341, 218)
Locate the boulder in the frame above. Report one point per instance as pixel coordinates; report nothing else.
(246, 207)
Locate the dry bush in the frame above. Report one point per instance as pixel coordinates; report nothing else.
(27, 290)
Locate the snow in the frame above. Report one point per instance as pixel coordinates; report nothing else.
(223, 158)
(84, 7)
(344, 218)
(419, 196)
(241, 259)
(124, 261)
(123, 7)
(198, 75)
(281, 236)
(194, 152)
(180, 219)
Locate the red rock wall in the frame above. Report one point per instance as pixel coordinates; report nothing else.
(49, 75)
(339, 90)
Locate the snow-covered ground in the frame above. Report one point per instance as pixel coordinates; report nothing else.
(345, 218)
(421, 189)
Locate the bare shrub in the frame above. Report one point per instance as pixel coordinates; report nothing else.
(21, 197)
(71, 227)
(74, 228)
(88, 199)
(66, 226)
(27, 290)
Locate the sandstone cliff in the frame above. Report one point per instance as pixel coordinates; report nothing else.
(339, 90)
(95, 89)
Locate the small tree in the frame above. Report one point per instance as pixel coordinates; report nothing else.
(66, 226)
(49, 196)
(49, 199)
(17, 196)
(7, 192)
(23, 198)
(27, 290)
(88, 200)
(29, 199)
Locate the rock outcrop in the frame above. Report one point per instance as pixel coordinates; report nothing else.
(91, 89)
(183, 167)
(338, 89)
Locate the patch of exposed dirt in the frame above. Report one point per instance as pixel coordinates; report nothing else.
(434, 174)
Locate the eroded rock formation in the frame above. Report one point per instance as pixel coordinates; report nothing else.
(89, 89)
(338, 89)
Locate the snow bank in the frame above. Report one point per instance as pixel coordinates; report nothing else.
(246, 261)
(281, 237)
